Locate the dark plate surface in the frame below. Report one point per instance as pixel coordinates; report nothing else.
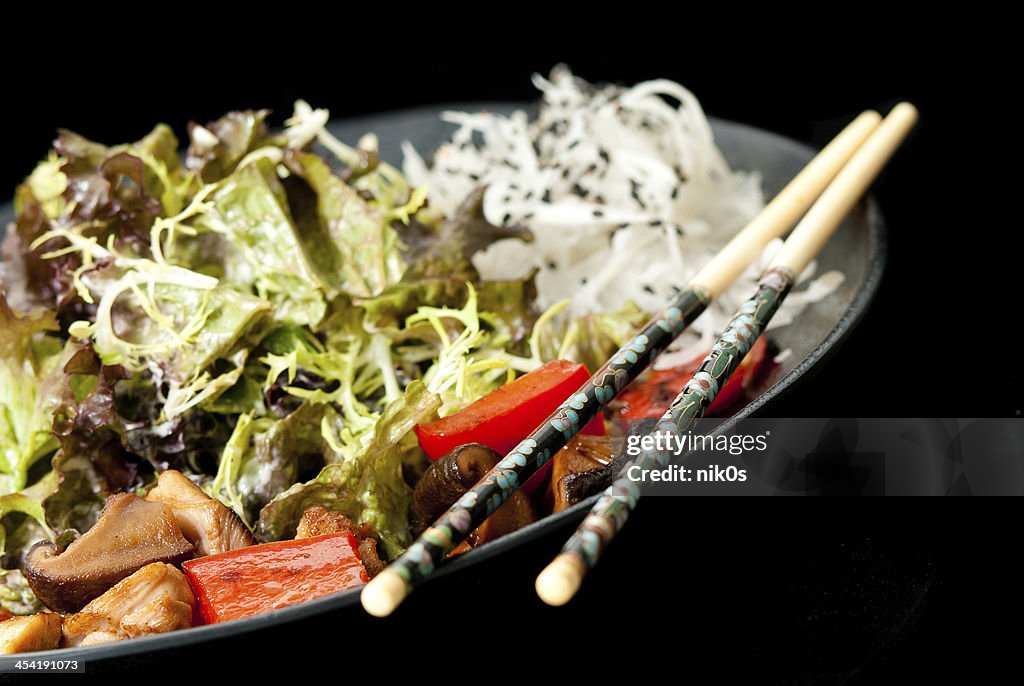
(857, 249)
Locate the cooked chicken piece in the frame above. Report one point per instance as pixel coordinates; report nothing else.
(29, 633)
(153, 600)
(206, 523)
(316, 521)
(129, 534)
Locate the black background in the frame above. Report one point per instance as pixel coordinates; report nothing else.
(760, 591)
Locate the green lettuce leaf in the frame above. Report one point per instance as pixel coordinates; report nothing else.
(592, 339)
(217, 148)
(22, 524)
(80, 494)
(213, 321)
(15, 594)
(352, 244)
(17, 533)
(369, 486)
(266, 456)
(440, 268)
(27, 358)
(262, 253)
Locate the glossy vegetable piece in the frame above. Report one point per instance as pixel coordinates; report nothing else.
(261, 578)
(507, 415)
(650, 396)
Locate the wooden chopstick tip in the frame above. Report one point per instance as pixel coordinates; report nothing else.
(384, 593)
(905, 112)
(558, 582)
(867, 118)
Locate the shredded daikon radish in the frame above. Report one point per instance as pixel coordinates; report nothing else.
(625, 192)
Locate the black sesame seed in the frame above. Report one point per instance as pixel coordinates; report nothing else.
(603, 154)
(598, 213)
(474, 177)
(675, 192)
(583, 281)
(507, 218)
(547, 195)
(679, 231)
(648, 289)
(552, 265)
(634, 190)
(654, 222)
(573, 144)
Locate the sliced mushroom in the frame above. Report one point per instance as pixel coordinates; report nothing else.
(153, 600)
(514, 513)
(209, 526)
(450, 477)
(583, 467)
(447, 479)
(27, 634)
(129, 534)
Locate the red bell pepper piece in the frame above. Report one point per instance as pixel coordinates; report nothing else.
(504, 417)
(650, 397)
(261, 578)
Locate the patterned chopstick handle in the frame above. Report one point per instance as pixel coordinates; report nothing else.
(612, 508)
(434, 544)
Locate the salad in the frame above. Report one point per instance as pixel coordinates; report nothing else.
(280, 357)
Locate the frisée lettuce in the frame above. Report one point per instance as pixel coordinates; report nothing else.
(271, 317)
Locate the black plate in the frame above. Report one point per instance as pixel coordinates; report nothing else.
(858, 249)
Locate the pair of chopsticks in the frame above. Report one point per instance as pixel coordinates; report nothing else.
(839, 174)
